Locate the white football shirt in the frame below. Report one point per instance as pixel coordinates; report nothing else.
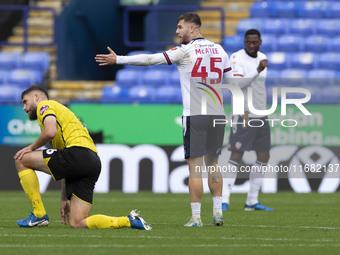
(244, 71)
(202, 66)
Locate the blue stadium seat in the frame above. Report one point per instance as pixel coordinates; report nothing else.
(321, 77)
(290, 43)
(303, 60)
(246, 24)
(174, 78)
(268, 43)
(114, 94)
(142, 94)
(334, 10)
(3, 76)
(287, 9)
(277, 60)
(36, 61)
(328, 27)
(273, 78)
(10, 59)
(261, 9)
(128, 77)
(329, 60)
(335, 44)
(168, 94)
(10, 94)
(302, 26)
(315, 9)
(317, 43)
(331, 95)
(155, 77)
(25, 77)
(293, 77)
(317, 96)
(276, 26)
(233, 43)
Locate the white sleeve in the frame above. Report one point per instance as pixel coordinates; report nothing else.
(240, 77)
(142, 60)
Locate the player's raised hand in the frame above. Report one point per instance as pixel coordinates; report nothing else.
(106, 59)
(262, 65)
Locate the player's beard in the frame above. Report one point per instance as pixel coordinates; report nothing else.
(185, 39)
(32, 113)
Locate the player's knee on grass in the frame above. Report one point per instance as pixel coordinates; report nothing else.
(77, 222)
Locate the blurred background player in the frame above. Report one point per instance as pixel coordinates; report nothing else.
(73, 160)
(249, 69)
(204, 60)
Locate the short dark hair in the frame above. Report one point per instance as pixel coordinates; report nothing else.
(34, 88)
(192, 17)
(252, 32)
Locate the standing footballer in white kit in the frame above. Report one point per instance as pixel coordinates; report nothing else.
(202, 65)
(249, 71)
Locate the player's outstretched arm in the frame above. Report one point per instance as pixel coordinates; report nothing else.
(106, 59)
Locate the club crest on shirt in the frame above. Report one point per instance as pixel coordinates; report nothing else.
(197, 46)
(43, 109)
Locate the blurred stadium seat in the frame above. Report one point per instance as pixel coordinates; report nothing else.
(329, 60)
(287, 9)
(10, 94)
(293, 77)
(3, 76)
(278, 60)
(302, 26)
(276, 26)
(168, 94)
(36, 61)
(155, 77)
(321, 77)
(114, 94)
(315, 9)
(268, 43)
(328, 27)
(262, 9)
(25, 77)
(335, 44)
(290, 43)
(246, 24)
(334, 9)
(9, 60)
(317, 43)
(174, 78)
(302, 60)
(128, 77)
(233, 43)
(142, 94)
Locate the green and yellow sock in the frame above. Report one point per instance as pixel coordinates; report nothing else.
(30, 184)
(102, 221)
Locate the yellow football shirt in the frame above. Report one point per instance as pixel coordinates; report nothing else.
(71, 131)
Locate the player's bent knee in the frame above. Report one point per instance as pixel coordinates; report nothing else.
(76, 223)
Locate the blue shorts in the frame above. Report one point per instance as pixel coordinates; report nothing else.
(200, 137)
(255, 137)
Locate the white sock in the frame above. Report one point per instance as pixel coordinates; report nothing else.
(255, 178)
(217, 205)
(196, 210)
(229, 180)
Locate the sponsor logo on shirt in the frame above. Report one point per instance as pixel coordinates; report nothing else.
(43, 109)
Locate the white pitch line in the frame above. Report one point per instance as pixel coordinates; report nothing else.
(160, 245)
(173, 237)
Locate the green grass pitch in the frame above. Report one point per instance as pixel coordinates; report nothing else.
(300, 224)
